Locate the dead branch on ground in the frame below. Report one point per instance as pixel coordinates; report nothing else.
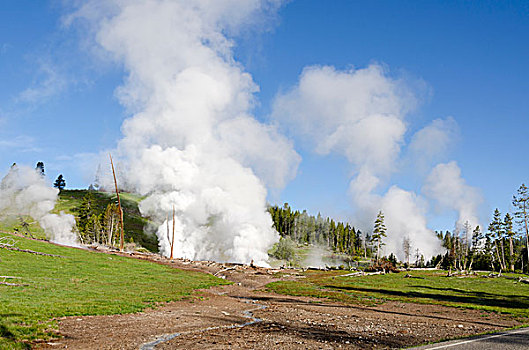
(29, 251)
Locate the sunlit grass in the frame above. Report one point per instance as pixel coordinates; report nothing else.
(505, 294)
(80, 283)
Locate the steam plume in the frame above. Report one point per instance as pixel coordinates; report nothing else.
(24, 192)
(447, 187)
(432, 142)
(361, 114)
(192, 141)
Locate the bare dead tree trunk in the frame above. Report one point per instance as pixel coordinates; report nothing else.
(172, 240)
(498, 255)
(121, 237)
(111, 231)
(503, 254)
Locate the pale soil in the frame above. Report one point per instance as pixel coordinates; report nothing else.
(287, 322)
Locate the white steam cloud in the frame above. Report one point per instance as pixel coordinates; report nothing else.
(192, 142)
(446, 186)
(405, 217)
(432, 141)
(361, 114)
(24, 192)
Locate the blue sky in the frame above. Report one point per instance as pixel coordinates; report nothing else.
(57, 104)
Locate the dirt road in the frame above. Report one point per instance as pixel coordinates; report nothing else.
(242, 316)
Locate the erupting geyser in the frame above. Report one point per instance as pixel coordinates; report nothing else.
(191, 142)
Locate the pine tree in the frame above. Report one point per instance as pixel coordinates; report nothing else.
(508, 231)
(379, 232)
(60, 183)
(40, 168)
(521, 203)
(495, 227)
(465, 251)
(86, 209)
(92, 231)
(476, 235)
(488, 247)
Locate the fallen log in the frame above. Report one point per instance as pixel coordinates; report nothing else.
(224, 270)
(13, 284)
(353, 274)
(29, 251)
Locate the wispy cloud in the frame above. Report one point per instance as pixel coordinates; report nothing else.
(49, 81)
(82, 165)
(21, 143)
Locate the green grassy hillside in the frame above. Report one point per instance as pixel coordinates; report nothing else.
(70, 202)
(78, 282)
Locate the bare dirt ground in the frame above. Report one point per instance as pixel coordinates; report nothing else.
(242, 316)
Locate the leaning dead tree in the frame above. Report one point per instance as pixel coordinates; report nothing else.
(121, 237)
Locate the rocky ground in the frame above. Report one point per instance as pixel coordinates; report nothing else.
(243, 316)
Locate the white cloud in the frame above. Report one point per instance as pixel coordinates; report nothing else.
(434, 140)
(357, 113)
(49, 82)
(361, 114)
(20, 143)
(449, 189)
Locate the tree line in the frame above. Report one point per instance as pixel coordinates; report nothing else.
(502, 247)
(302, 228)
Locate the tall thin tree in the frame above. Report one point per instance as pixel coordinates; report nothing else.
(379, 232)
(509, 233)
(521, 203)
(122, 234)
(172, 240)
(495, 227)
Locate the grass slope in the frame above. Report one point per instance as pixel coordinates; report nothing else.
(489, 294)
(80, 283)
(70, 202)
